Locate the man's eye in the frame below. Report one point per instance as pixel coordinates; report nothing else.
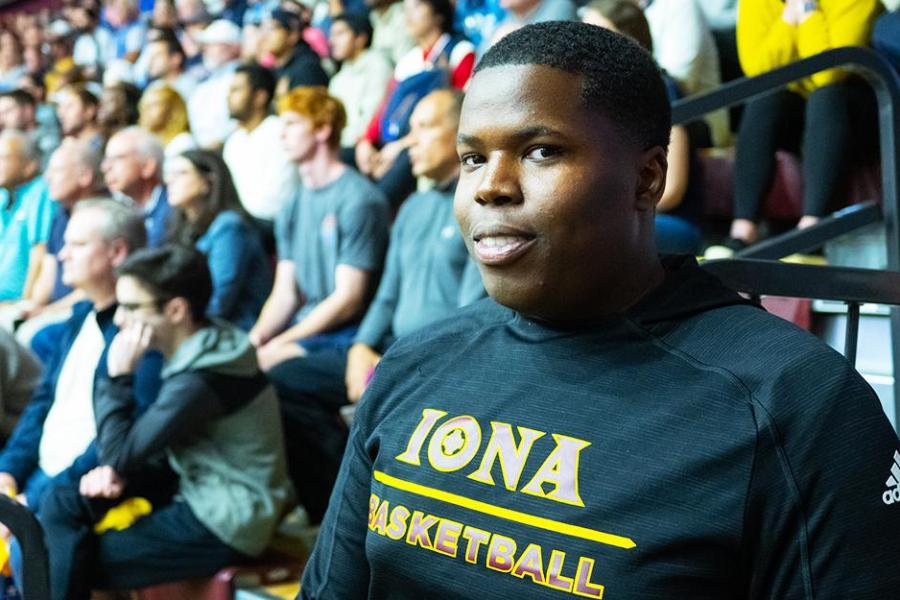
(542, 152)
(471, 160)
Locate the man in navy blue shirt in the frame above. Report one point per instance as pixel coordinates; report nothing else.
(608, 424)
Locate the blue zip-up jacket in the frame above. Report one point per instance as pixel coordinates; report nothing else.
(20, 456)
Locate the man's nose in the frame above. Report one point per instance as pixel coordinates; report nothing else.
(499, 183)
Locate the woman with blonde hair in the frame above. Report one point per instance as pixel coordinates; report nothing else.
(163, 113)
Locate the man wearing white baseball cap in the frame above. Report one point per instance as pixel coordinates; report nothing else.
(208, 105)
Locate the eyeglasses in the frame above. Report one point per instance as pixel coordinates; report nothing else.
(130, 307)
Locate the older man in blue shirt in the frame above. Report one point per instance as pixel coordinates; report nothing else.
(26, 212)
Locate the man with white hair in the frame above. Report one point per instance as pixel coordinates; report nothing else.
(53, 440)
(25, 214)
(132, 168)
(208, 106)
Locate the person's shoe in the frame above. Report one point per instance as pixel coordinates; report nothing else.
(726, 249)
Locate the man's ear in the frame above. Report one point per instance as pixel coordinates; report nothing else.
(150, 168)
(177, 309)
(323, 133)
(260, 99)
(651, 178)
(119, 251)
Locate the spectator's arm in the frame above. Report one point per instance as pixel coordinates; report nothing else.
(20, 455)
(280, 306)
(373, 130)
(146, 388)
(377, 322)
(848, 24)
(64, 303)
(126, 443)
(343, 304)
(44, 280)
(764, 40)
(678, 170)
(35, 262)
(229, 260)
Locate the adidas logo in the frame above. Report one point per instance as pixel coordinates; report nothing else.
(893, 495)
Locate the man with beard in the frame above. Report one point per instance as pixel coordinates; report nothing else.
(264, 177)
(608, 424)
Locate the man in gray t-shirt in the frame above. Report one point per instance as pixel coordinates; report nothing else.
(342, 223)
(331, 240)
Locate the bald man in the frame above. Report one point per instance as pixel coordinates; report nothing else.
(132, 168)
(428, 273)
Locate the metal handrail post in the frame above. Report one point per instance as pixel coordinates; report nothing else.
(885, 81)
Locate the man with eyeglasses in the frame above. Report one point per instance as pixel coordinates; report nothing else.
(217, 421)
(53, 442)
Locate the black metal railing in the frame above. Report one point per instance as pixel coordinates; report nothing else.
(865, 285)
(27, 531)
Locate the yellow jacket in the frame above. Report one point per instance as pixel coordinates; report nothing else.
(766, 42)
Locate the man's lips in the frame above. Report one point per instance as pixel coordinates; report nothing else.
(500, 245)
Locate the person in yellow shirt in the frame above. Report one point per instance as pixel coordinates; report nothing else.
(773, 33)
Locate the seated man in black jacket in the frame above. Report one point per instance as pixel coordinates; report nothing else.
(608, 424)
(216, 420)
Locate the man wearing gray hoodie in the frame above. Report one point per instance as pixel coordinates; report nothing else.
(216, 421)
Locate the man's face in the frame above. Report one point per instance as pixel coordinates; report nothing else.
(65, 175)
(433, 139)
(121, 165)
(275, 38)
(546, 194)
(343, 41)
(240, 97)
(13, 165)
(159, 62)
(86, 257)
(73, 114)
(112, 106)
(298, 137)
(216, 55)
(419, 18)
(14, 116)
(139, 307)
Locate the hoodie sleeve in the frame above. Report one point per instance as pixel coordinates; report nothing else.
(823, 502)
(338, 567)
(125, 442)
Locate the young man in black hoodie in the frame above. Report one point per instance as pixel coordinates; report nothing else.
(609, 424)
(216, 421)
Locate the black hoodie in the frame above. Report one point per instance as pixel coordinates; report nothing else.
(694, 448)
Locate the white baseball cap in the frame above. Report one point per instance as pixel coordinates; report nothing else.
(221, 31)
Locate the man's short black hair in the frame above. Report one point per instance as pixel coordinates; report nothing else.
(445, 10)
(619, 78)
(358, 24)
(168, 36)
(259, 78)
(20, 97)
(172, 271)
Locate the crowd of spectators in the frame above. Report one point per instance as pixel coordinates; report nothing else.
(305, 151)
